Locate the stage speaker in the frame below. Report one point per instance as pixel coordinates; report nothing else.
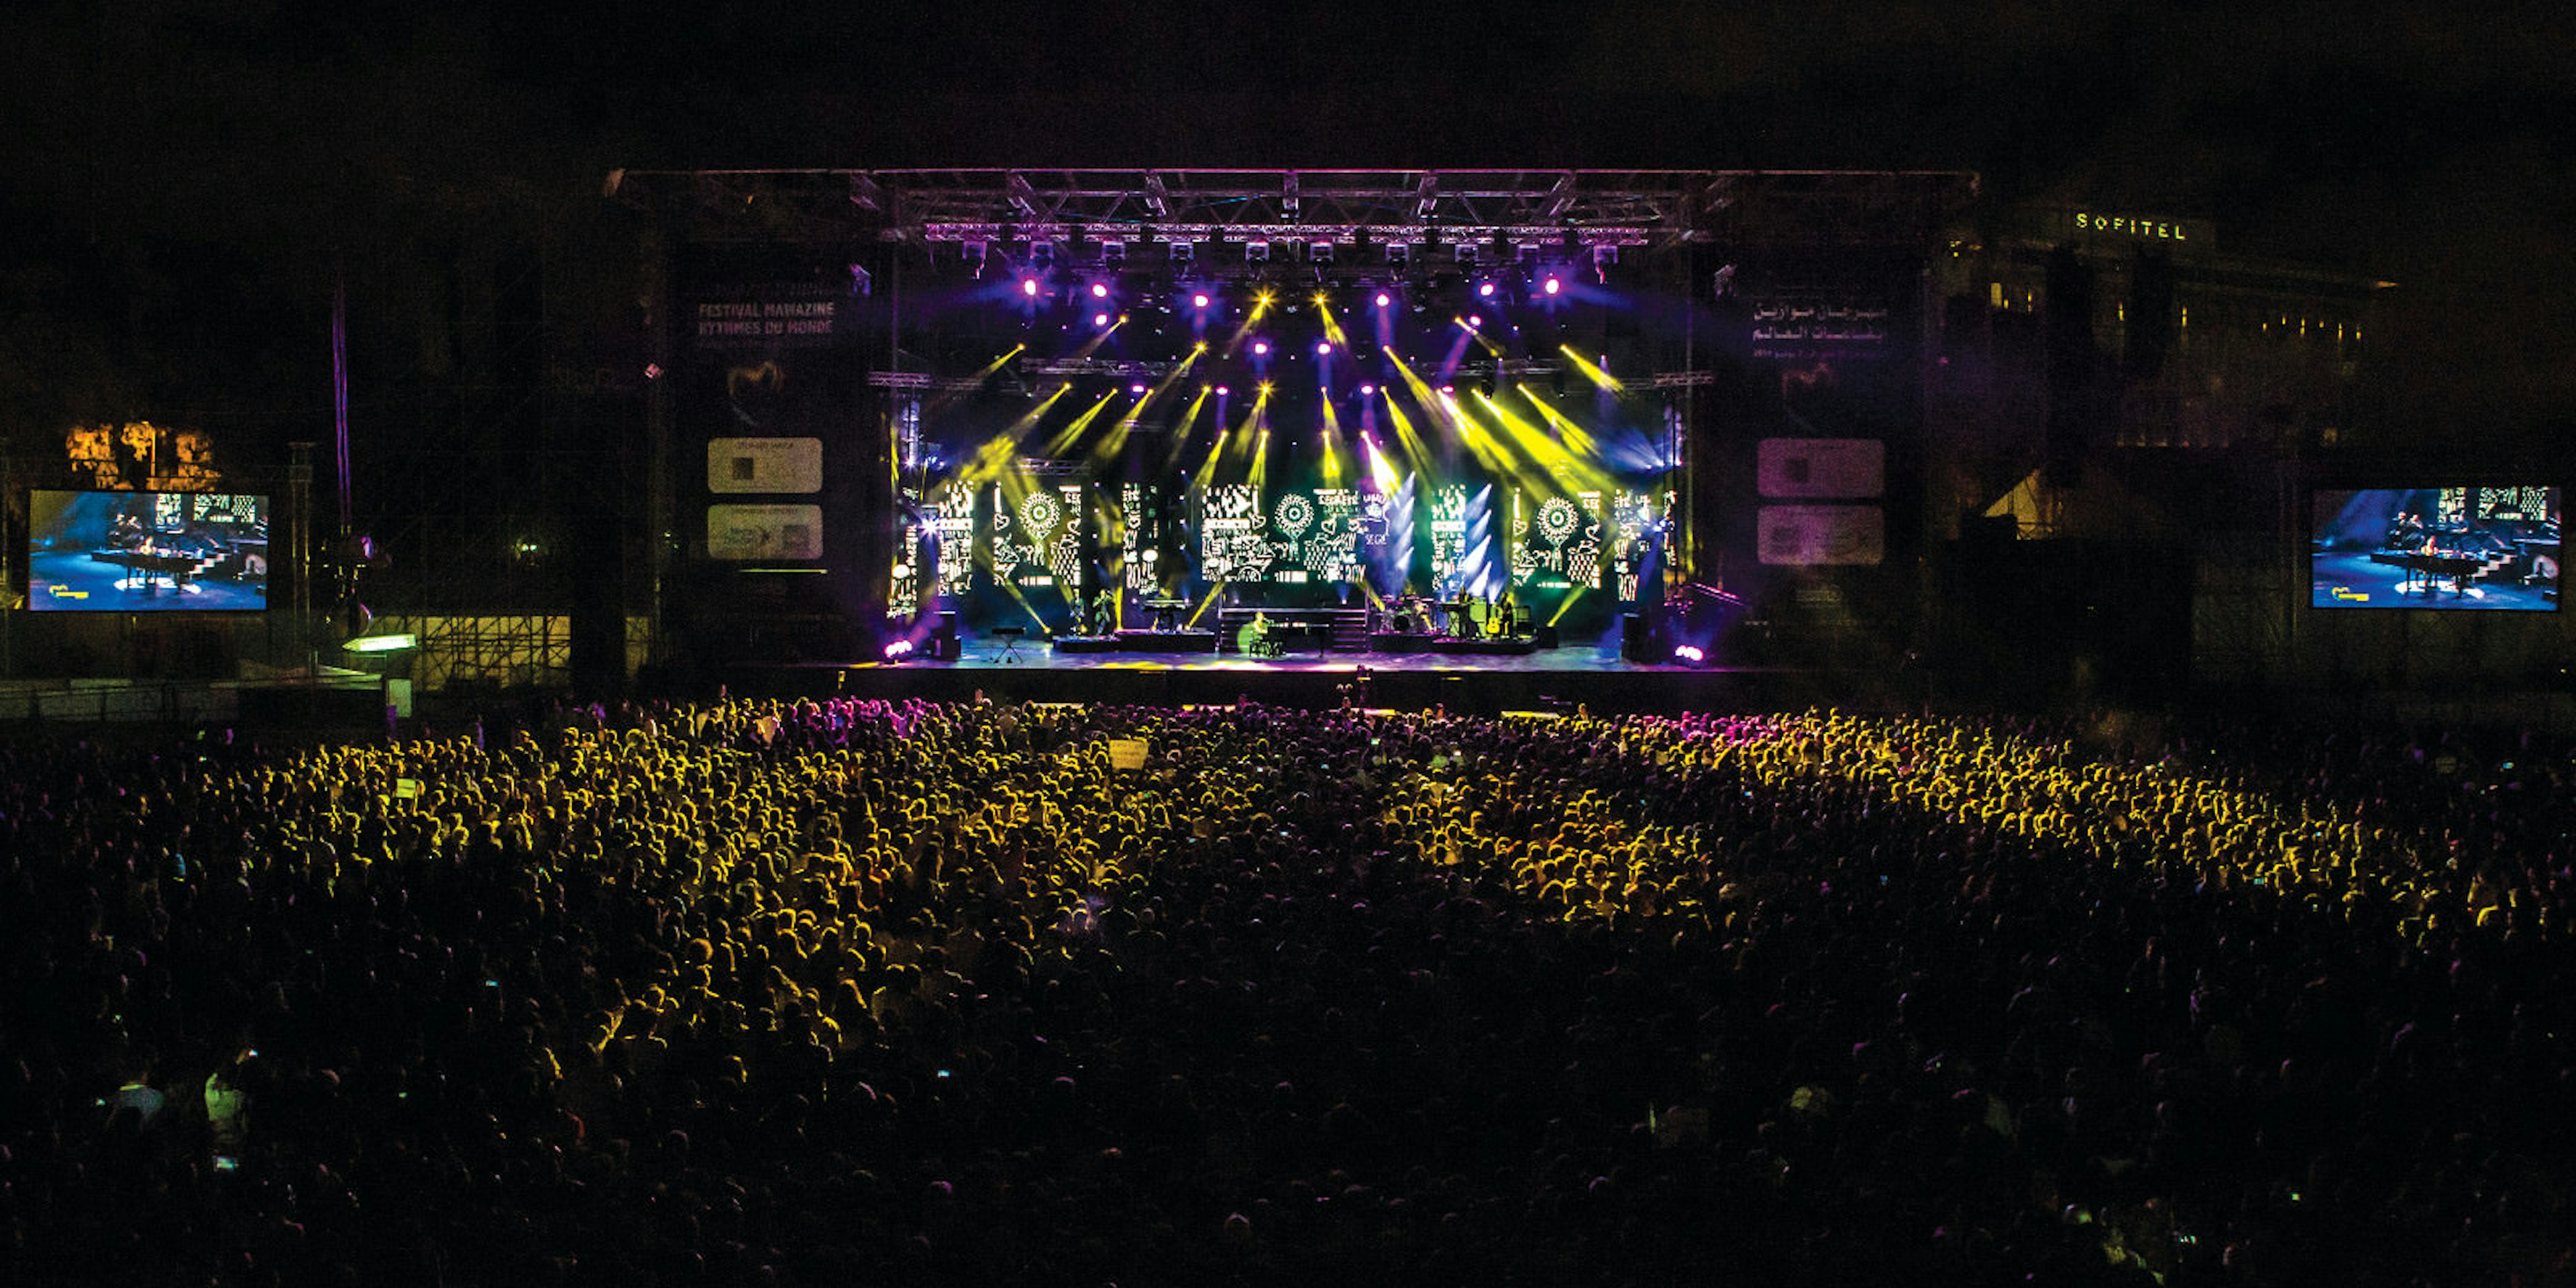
(942, 644)
(1636, 643)
(1546, 635)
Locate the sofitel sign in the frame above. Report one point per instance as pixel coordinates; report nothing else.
(2093, 226)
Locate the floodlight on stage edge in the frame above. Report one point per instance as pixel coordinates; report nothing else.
(391, 642)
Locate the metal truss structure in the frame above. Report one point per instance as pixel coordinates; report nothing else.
(489, 570)
(494, 653)
(1217, 219)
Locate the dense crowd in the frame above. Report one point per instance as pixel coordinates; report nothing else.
(843, 992)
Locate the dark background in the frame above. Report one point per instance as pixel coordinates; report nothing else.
(185, 181)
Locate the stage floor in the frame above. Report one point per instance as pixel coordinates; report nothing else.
(981, 654)
(1549, 680)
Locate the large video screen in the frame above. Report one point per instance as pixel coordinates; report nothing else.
(2442, 548)
(1037, 537)
(144, 552)
(1314, 536)
(1232, 544)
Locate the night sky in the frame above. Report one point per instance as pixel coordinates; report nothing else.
(182, 175)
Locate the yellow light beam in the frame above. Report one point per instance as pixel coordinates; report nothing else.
(1445, 410)
(1600, 378)
(1336, 450)
(995, 454)
(975, 382)
(1072, 433)
(1195, 613)
(1381, 470)
(1233, 436)
(1416, 455)
(1577, 439)
(1181, 435)
(1092, 345)
(1170, 378)
(1428, 399)
(1253, 434)
(1516, 435)
(1332, 325)
(1115, 441)
(1478, 335)
(1025, 606)
(1206, 472)
(1562, 470)
(1260, 309)
(1260, 448)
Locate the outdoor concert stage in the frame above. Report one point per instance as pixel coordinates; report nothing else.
(1546, 680)
(1290, 392)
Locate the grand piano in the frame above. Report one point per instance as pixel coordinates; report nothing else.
(146, 565)
(2436, 566)
(2458, 555)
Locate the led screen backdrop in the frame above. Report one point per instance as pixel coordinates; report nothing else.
(1314, 535)
(1033, 538)
(1556, 541)
(1037, 537)
(1233, 546)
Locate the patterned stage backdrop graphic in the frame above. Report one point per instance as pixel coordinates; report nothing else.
(1635, 519)
(1557, 541)
(1037, 539)
(1448, 535)
(903, 587)
(1319, 537)
(1333, 548)
(1139, 542)
(1232, 546)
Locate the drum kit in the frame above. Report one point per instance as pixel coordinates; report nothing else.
(1465, 618)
